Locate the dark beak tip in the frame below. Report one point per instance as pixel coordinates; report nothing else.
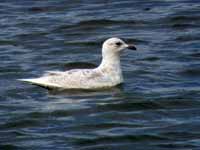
(132, 47)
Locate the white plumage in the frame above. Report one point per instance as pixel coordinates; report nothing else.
(107, 74)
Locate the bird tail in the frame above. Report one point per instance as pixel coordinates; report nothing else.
(40, 82)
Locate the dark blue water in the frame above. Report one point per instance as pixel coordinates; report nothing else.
(158, 106)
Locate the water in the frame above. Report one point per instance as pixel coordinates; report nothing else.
(158, 106)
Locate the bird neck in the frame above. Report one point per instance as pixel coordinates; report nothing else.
(110, 66)
(111, 61)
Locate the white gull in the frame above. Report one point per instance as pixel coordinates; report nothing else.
(107, 74)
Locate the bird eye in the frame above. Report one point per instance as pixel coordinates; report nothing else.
(118, 43)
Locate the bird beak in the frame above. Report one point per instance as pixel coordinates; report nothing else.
(131, 47)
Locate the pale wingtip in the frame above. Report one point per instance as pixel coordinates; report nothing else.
(40, 82)
(25, 80)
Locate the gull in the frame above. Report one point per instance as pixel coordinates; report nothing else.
(107, 74)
